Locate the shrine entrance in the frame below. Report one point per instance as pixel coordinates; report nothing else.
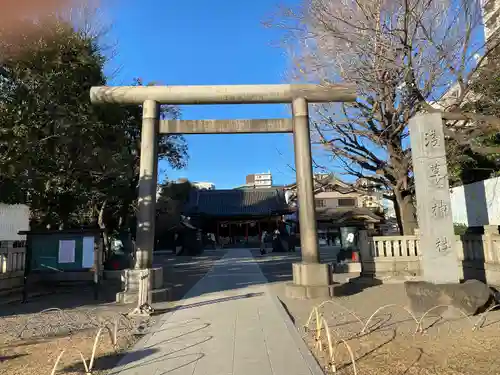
(310, 277)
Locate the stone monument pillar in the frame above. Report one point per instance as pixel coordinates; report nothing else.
(439, 258)
(311, 279)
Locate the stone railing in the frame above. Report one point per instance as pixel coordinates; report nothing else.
(393, 246)
(388, 256)
(480, 255)
(12, 264)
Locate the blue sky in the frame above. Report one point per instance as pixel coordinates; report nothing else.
(199, 42)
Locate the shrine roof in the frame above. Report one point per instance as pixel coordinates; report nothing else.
(342, 214)
(237, 202)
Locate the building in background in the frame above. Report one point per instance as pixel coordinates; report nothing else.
(372, 197)
(491, 23)
(491, 20)
(203, 185)
(389, 209)
(259, 180)
(13, 218)
(338, 205)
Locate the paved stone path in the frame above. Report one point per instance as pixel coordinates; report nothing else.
(237, 328)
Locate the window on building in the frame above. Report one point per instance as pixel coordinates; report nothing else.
(347, 202)
(320, 203)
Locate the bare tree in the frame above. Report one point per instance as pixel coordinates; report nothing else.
(404, 56)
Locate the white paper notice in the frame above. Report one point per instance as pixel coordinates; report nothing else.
(66, 251)
(88, 252)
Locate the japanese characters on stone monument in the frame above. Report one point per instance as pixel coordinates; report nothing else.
(437, 237)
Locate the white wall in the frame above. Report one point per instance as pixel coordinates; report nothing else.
(477, 204)
(389, 209)
(13, 218)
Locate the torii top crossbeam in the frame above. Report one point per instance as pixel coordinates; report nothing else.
(230, 94)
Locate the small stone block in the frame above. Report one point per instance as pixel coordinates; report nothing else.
(156, 296)
(348, 268)
(310, 274)
(295, 291)
(131, 277)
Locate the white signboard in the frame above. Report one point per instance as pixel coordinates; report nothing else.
(66, 251)
(88, 252)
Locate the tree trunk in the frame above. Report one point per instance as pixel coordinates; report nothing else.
(105, 235)
(406, 212)
(398, 216)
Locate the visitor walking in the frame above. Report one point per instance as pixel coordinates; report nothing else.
(291, 241)
(263, 243)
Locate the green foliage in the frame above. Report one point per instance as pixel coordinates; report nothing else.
(467, 166)
(73, 163)
(172, 198)
(460, 229)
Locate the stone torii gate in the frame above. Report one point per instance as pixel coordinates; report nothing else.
(310, 277)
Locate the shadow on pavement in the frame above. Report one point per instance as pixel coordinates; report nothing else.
(109, 361)
(277, 267)
(204, 303)
(355, 286)
(182, 273)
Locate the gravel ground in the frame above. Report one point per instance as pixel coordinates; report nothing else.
(448, 345)
(31, 340)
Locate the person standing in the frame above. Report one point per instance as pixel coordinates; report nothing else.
(291, 240)
(263, 243)
(212, 239)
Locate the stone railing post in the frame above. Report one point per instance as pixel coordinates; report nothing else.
(489, 252)
(364, 245)
(364, 250)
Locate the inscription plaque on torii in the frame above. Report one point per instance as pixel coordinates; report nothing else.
(226, 126)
